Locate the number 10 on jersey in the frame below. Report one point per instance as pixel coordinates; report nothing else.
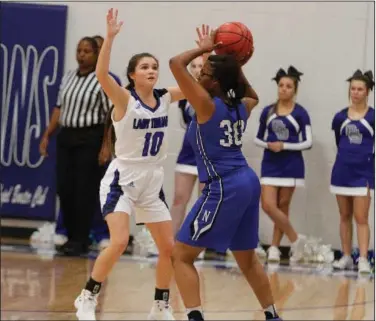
(153, 143)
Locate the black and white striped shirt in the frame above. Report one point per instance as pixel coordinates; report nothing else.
(82, 101)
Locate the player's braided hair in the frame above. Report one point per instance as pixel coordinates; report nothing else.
(226, 70)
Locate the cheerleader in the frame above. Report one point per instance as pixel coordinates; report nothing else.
(284, 132)
(353, 172)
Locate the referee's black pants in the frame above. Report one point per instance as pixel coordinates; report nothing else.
(78, 179)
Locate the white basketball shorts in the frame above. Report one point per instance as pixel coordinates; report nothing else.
(135, 190)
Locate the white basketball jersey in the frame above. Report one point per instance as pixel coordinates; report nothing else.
(141, 133)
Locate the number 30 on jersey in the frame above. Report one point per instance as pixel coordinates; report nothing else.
(233, 132)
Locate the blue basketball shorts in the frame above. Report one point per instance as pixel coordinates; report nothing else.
(226, 216)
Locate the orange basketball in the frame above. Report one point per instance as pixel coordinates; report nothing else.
(236, 40)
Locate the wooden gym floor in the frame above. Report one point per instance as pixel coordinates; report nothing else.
(43, 287)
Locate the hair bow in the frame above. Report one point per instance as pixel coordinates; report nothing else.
(367, 77)
(291, 72)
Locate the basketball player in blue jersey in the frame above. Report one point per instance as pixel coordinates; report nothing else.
(133, 181)
(353, 173)
(186, 168)
(227, 213)
(284, 131)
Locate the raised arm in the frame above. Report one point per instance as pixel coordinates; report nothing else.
(197, 95)
(192, 90)
(117, 94)
(250, 99)
(175, 92)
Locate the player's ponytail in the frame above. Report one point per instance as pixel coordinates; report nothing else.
(233, 97)
(130, 85)
(227, 71)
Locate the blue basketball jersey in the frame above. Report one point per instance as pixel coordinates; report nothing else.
(187, 111)
(217, 143)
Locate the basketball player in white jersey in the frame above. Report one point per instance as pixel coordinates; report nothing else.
(133, 182)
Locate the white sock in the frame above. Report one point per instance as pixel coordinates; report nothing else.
(199, 308)
(271, 309)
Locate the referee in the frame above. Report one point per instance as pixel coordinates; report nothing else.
(80, 112)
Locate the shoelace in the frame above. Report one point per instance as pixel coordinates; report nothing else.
(90, 299)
